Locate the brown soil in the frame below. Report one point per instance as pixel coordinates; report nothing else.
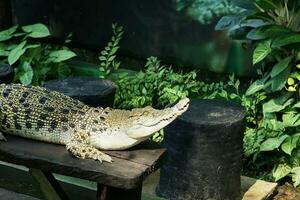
(287, 192)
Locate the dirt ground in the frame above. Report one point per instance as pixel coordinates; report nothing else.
(287, 192)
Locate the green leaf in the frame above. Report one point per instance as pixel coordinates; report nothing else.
(32, 46)
(277, 104)
(281, 66)
(281, 171)
(60, 55)
(297, 105)
(262, 50)
(268, 4)
(36, 30)
(286, 40)
(102, 58)
(278, 82)
(272, 143)
(256, 34)
(7, 34)
(296, 176)
(291, 119)
(255, 87)
(268, 31)
(26, 73)
(290, 144)
(16, 53)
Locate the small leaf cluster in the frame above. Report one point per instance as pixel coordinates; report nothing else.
(272, 136)
(34, 62)
(107, 56)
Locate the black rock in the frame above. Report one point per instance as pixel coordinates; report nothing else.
(6, 73)
(92, 91)
(204, 153)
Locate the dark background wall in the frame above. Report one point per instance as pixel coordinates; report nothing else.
(152, 28)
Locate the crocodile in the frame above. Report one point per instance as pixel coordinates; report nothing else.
(37, 113)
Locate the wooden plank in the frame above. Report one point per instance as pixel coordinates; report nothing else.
(122, 173)
(112, 193)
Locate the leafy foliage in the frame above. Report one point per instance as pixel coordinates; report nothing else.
(159, 86)
(272, 26)
(107, 56)
(205, 11)
(34, 61)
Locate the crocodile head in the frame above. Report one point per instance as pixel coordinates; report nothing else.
(143, 122)
(129, 127)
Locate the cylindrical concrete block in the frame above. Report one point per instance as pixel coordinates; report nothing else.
(92, 91)
(204, 153)
(6, 73)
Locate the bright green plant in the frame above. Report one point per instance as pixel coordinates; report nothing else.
(273, 28)
(34, 62)
(159, 86)
(107, 57)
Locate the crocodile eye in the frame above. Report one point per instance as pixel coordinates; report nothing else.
(145, 113)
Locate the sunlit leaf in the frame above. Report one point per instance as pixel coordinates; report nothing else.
(26, 73)
(281, 66)
(272, 143)
(16, 53)
(60, 55)
(281, 171)
(36, 30)
(262, 50)
(296, 176)
(7, 34)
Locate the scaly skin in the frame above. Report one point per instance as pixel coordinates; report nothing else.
(40, 114)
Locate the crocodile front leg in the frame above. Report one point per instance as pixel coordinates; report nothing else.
(82, 149)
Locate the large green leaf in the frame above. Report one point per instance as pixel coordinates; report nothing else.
(60, 55)
(291, 119)
(277, 104)
(36, 30)
(7, 34)
(25, 73)
(281, 66)
(268, 31)
(256, 34)
(296, 176)
(278, 82)
(290, 144)
(258, 85)
(268, 4)
(16, 53)
(262, 50)
(286, 40)
(281, 171)
(272, 143)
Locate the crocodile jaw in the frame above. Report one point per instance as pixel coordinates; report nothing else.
(145, 127)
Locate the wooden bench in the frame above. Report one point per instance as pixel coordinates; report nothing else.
(121, 179)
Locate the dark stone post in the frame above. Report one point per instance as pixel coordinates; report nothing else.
(204, 153)
(6, 73)
(90, 90)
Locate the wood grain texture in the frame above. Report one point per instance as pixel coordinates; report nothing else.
(128, 170)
